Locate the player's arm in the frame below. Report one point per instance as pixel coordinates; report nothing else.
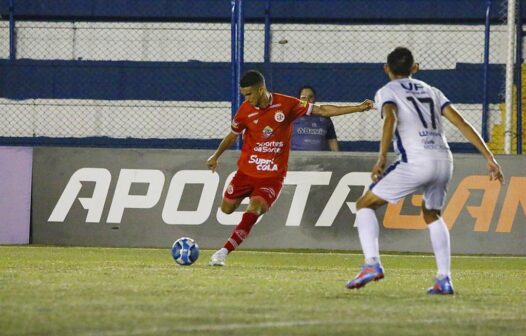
(225, 144)
(451, 114)
(389, 113)
(333, 110)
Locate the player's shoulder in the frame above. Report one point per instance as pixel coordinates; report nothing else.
(244, 108)
(423, 84)
(428, 88)
(391, 86)
(386, 91)
(278, 98)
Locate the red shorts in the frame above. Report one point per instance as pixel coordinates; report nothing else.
(243, 186)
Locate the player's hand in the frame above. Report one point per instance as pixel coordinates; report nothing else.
(366, 105)
(378, 168)
(212, 163)
(495, 171)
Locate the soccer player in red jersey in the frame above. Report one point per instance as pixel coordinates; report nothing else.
(265, 120)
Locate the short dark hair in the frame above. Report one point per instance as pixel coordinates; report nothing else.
(308, 87)
(400, 61)
(251, 78)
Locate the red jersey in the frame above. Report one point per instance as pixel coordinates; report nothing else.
(266, 135)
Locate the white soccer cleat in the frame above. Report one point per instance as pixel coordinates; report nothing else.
(219, 257)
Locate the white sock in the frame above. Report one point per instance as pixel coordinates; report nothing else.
(440, 241)
(368, 231)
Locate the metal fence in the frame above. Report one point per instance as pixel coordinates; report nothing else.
(169, 83)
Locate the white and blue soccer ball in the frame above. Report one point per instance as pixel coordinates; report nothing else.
(185, 251)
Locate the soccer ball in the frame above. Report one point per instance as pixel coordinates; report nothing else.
(185, 251)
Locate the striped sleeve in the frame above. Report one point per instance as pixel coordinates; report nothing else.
(442, 100)
(238, 126)
(384, 96)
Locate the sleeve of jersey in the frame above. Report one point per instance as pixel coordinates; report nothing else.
(382, 97)
(237, 125)
(300, 108)
(442, 100)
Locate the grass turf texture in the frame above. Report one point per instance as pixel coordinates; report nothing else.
(110, 291)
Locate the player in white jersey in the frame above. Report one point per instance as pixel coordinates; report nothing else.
(412, 112)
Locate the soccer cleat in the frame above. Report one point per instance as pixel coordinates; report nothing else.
(218, 258)
(442, 286)
(367, 274)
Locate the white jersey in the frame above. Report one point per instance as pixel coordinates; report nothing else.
(419, 134)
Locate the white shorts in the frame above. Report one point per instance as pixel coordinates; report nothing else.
(402, 178)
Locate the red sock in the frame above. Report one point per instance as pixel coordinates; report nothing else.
(241, 231)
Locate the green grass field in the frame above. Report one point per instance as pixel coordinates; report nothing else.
(103, 291)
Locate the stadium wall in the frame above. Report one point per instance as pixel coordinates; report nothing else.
(133, 197)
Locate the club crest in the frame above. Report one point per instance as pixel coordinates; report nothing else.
(267, 132)
(279, 116)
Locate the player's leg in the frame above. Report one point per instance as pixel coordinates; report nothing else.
(368, 232)
(237, 190)
(367, 225)
(432, 204)
(399, 180)
(265, 192)
(257, 207)
(263, 196)
(230, 205)
(440, 241)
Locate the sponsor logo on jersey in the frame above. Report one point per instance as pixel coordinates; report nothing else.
(263, 164)
(269, 147)
(267, 132)
(230, 189)
(279, 116)
(429, 133)
(412, 86)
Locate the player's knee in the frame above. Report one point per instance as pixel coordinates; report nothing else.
(361, 203)
(257, 206)
(430, 216)
(369, 200)
(228, 208)
(257, 209)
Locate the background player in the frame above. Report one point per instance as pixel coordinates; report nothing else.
(312, 132)
(412, 111)
(265, 120)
